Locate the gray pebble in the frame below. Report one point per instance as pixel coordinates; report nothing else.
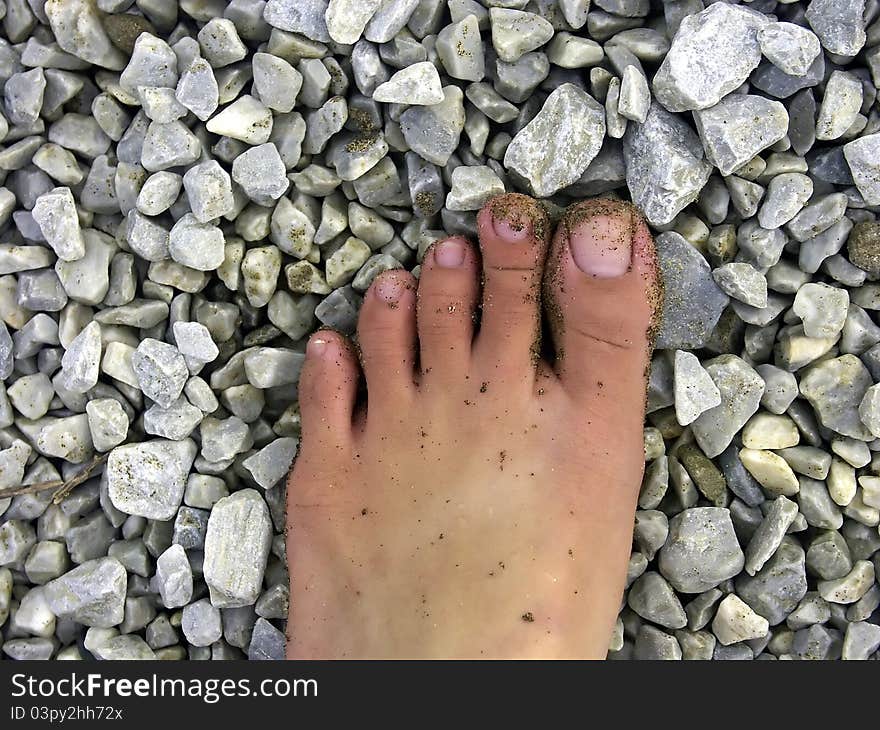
(702, 550)
(775, 591)
(653, 599)
(651, 152)
(738, 127)
(688, 279)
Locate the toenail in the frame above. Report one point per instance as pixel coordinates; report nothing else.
(317, 345)
(601, 245)
(449, 254)
(389, 289)
(510, 225)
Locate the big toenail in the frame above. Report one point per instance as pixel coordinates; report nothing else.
(389, 289)
(601, 245)
(449, 254)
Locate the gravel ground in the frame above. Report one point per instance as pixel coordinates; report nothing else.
(190, 188)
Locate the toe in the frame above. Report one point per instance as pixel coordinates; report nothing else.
(327, 389)
(447, 299)
(513, 232)
(602, 294)
(387, 340)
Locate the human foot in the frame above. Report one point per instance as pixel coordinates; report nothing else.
(481, 503)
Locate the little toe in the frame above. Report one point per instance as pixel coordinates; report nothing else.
(447, 299)
(328, 389)
(387, 339)
(603, 294)
(514, 234)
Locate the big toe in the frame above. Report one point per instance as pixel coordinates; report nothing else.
(514, 235)
(603, 295)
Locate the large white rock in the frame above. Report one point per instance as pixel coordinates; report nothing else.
(553, 150)
(148, 478)
(236, 548)
(712, 54)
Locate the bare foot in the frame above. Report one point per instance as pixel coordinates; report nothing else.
(481, 503)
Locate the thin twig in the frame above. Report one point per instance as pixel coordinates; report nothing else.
(64, 486)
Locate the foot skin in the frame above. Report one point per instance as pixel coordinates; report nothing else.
(481, 503)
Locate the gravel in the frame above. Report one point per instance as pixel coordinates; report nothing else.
(188, 191)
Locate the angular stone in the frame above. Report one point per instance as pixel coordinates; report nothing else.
(652, 598)
(786, 196)
(174, 577)
(816, 505)
(712, 54)
(863, 247)
(169, 145)
(416, 84)
(352, 156)
(569, 116)
(693, 303)
(236, 547)
(389, 19)
(840, 106)
(266, 643)
(197, 245)
(515, 32)
(209, 191)
(738, 127)
(775, 591)
(635, 97)
(665, 168)
(261, 173)
(77, 27)
(220, 44)
(695, 392)
(702, 550)
(652, 644)
(472, 187)
(766, 431)
(92, 594)
(822, 309)
(345, 261)
(862, 639)
(127, 647)
(863, 157)
(835, 389)
(108, 423)
(839, 24)
(742, 282)
(741, 389)
(789, 47)
(160, 370)
(299, 16)
(735, 621)
(433, 132)
(768, 537)
(197, 89)
(176, 422)
(223, 439)
(148, 478)
(460, 50)
(55, 214)
(271, 463)
(245, 119)
(346, 19)
(851, 587)
(201, 623)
